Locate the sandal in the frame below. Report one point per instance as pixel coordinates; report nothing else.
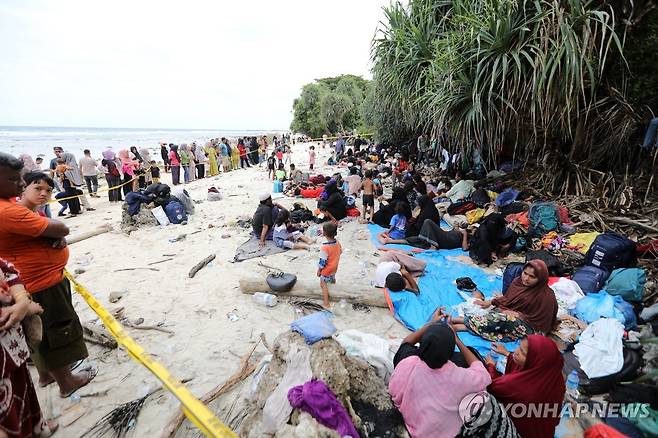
(90, 373)
(49, 429)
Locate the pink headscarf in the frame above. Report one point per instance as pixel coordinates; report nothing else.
(127, 164)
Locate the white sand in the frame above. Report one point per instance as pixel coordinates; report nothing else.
(206, 345)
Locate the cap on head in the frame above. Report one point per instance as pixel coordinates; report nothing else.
(264, 196)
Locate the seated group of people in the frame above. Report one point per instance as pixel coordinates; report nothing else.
(430, 380)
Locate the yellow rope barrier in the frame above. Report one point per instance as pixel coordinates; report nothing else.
(194, 410)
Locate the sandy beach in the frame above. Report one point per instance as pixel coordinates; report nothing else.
(205, 345)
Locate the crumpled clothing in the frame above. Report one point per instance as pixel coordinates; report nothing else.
(317, 399)
(475, 215)
(600, 350)
(277, 409)
(520, 218)
(553, 241)
(378, 352)
(567, 293)
(581, 241)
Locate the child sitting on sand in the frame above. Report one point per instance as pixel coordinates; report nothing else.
(281, 173)
(332, 160)
(289, 240)
(329, 258)
(398, 225)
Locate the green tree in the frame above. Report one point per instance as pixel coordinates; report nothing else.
(330, 105)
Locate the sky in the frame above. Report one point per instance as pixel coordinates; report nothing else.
(214, 64)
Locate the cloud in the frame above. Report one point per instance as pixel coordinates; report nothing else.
(195, 64)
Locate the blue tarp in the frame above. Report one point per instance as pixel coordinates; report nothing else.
(438, 288)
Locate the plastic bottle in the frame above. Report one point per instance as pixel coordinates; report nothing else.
(572, 385)
(265, 299)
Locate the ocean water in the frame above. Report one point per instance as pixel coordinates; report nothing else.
(38, 140)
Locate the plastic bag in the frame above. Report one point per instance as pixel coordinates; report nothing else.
(160, 215)
(603, 305)
(314, 327)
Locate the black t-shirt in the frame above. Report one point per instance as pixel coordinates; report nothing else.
(263, 216)
(271, 161)
(155, 172)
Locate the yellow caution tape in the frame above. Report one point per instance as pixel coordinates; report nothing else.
(194, 410)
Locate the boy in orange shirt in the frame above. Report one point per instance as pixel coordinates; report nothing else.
(329, 258)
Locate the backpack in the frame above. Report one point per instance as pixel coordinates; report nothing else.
(159, 190)
(627, 283)
(600, 385)
(554, 265)
(543, 218)
(512, 271)
(590, 278)
(461, 207)
(610, 251)
(480, 197)
(184, 198)
(175, 212)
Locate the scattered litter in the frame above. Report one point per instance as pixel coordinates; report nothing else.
(225, 236)
(233, 315)
(78, 271)
(178, 239)
(116, 296)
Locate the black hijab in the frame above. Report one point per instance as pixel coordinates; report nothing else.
(487, 238)
(427, 210)
(437, 345)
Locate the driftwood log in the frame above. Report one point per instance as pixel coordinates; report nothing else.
(82, 236)
(369, 297)
(202, 264)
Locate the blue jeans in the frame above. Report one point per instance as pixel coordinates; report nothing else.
(650, 136)
(186, 173)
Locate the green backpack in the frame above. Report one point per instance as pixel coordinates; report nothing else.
(543, 218)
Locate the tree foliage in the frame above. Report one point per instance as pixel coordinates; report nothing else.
(330, 105)
(521, 77)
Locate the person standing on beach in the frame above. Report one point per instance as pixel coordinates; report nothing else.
(243, 154)
(225, 153)
(112, 168)
(234, 153)
(53, 165)
(311, 157)
(185, 162)
(164, 153)
(174, 164)
(253, 151)
(88, 168)
(74, 175)
(36, 246)
(211, 153)
(200, 159)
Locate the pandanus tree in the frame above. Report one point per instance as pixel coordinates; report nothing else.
(519, 77)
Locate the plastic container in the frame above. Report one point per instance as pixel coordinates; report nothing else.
(265, 299)
(572, 385)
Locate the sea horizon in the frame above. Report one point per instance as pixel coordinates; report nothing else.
(38, 140)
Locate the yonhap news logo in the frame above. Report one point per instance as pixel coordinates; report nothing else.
(477, 409)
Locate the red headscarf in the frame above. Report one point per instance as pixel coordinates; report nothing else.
(537, 304)
(540, 380)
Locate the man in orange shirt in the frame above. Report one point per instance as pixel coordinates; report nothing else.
(36, 246)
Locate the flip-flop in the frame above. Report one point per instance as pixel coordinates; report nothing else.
(91, 373)
(49, 429)
(43, 385)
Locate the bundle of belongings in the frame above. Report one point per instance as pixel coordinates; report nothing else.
(165, 207)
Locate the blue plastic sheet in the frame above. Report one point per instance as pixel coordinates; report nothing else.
(438, 288)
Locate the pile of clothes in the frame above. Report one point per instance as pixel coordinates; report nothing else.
(161, 202)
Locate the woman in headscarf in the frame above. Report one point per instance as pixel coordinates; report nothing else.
(128, 171)
(428, 211)
(211, 153)
(28, 163)
(184, 154)
(529, 306)
(74, 175)
(235, 155)
(533, 376)
(140, 166)
(200, 159)
(427, 387)
(146, 164)
(334, 206)
(383, 216)
(491, 240)
(112, 170)
(174, 160)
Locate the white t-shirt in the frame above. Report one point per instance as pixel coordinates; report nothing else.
(383, 269)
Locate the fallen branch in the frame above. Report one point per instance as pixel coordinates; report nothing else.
(98, 336)
(148, 327)
(160, 261)
(134, 269)
(201, 265)
(245, 368)
(627, 221)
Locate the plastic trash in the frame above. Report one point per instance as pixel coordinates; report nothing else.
(265, 299)
(572, 385)
(74, 398)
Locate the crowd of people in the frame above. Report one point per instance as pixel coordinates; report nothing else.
(427, 186)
